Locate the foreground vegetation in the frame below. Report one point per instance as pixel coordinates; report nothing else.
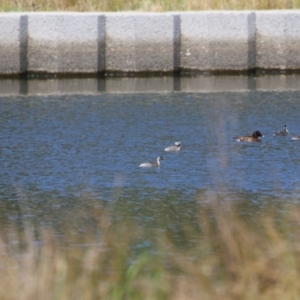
(146, 5)
(231, 257)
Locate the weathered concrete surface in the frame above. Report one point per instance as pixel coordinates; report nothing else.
(90, 43)
(13, 37)
(63, 43)
(278, 40)
(139, 42)
(217, 40)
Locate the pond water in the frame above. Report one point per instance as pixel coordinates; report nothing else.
(61, 151)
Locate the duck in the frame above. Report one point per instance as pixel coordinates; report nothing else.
(284, 132)
(152, 165)
(175, 147)
(254, 138)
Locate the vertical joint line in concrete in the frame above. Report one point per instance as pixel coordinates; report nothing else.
(252, 41)
(101, 52)
(23, 38)
(176, 51)
(101, 39)
(23, 43)
(176, 43)
(286, 40)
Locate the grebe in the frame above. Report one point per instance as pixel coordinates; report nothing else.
(284, 132)
(152, 165)
(175, 147)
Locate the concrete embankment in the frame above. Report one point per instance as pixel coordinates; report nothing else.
(91, 43)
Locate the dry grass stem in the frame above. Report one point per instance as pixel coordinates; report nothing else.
(145, 6)
(232, 258)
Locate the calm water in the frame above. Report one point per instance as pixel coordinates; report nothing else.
(61, 153)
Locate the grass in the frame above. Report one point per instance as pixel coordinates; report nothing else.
(145, 6)
(231, 257)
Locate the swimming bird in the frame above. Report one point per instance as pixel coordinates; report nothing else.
(284, 132)
(295, 138)
(152, 165)
(254, 138)
(175, 147)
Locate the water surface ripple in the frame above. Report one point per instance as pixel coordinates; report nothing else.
(54, 149)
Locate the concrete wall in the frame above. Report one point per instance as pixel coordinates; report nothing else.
(149, 42)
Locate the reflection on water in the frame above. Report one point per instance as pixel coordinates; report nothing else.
(161, 84)
(63, 155)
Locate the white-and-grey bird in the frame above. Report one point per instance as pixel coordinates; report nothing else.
(175, 147)
(283, 132)
(295, 138)
(152, 165)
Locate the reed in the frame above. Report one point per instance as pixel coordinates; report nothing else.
(145, 6)
(233, 257)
